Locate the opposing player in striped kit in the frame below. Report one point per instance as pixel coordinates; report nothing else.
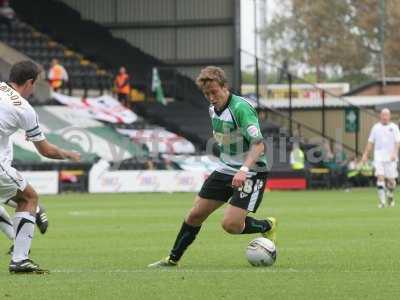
(16, 113)
(241, 176)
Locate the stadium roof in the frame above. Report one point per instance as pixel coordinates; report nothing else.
(362, 101)
(363, 87)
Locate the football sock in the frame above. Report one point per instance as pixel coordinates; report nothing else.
(252, 225)
(185, 237)
(381, 192)
(6, 224)
(390, 190)
(24, 226)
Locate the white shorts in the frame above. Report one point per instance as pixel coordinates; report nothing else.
(10, 182)
(388, 169)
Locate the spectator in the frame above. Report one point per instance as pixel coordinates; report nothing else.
(7, 15)
(367, 173)
(57, 76)
(353, 172)
(122, 86)
(297, 157)
(149, 165)
(337, 164)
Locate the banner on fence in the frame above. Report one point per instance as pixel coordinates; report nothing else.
(104, 108)
(145, 181)
(44, 182)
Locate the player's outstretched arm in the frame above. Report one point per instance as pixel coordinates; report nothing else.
(367, 150)
(52, 151)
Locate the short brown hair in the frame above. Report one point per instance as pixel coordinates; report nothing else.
(211, 73)
(22, 71)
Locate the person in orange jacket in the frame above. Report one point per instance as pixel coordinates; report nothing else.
(57, 75)
(122, 86)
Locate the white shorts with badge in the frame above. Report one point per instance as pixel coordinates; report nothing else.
(10, 182)
(388, 169)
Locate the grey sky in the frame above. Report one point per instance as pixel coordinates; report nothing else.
(247, 21)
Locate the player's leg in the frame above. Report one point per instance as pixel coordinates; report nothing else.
(391, 186)
(248, 199)
(42, 220)
(191, 226)
(189, 229)
(24, 227)
(217, 186)
(236, 221)
(380, 183)
(391, 175)
(6, 224)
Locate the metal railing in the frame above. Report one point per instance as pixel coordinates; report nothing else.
(299, 104)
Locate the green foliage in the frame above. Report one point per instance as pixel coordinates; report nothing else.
(335, 37)
(248, 77)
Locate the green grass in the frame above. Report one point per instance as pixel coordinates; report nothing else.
(332, 245)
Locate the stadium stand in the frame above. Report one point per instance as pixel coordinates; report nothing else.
(66, 26)
(186, 116)
(36, 45)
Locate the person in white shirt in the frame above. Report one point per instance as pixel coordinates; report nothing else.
(385, 140)
(16, 113)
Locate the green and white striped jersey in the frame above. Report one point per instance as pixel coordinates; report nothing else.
(235, 128)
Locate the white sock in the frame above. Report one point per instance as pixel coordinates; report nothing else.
(24, 226)
(381, 192)
(6, 225)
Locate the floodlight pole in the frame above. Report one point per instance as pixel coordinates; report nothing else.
(382, 30)
(323, 112)
(255, 29)
(257, 75)
(290, 79)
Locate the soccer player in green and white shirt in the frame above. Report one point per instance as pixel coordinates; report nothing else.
(241, 176)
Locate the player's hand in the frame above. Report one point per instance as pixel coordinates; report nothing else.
(392, 157)
(73, 156)
(239, 179)
(364, 159)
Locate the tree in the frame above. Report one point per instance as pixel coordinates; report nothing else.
(335, 38)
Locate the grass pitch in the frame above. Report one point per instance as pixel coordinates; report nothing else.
(331, 245)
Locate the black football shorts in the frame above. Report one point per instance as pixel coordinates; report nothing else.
(218, 186)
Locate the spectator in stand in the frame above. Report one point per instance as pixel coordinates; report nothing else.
(367, 173)
(359, 174)
(149, 165)
(297, 158)
(353, 172)
(337, 164)
(7, 14)
(122, 86)
(57, 76)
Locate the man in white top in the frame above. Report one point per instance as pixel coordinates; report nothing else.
(385, 140)
(16, 113)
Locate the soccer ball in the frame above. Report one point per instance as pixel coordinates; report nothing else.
(261, 252)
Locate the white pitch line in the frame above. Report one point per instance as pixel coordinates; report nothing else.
(194, 271)
(254, 270)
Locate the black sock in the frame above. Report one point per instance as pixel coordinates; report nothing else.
(255, 226)
(185, 237)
